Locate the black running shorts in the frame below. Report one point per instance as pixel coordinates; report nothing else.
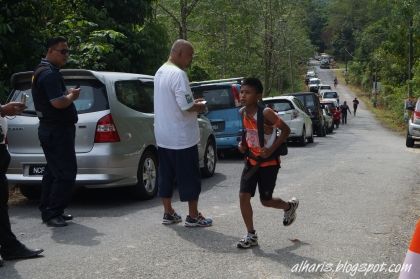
(265, 177)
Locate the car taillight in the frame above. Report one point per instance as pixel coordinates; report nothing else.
(106, 130)
(295, 114)
(416, 117)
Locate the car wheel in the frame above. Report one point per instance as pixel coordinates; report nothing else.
(302, 139)
(146, 187)
(209, 159)
(321, 131)
(31, 192)
(409, 142)
(311, 138)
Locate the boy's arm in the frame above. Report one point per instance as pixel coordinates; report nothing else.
(276, 122)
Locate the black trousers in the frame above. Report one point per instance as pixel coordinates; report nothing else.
(344, 118)
(7, 238)
(59, 177)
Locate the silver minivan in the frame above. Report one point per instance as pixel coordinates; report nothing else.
(115, 142)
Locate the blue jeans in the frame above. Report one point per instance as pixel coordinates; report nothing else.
(59, 178)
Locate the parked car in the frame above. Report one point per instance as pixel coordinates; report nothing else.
(223, 105)
(115, 142)
(309, 75)
(322, 87)
(328, 118)
(313, 84)
(292, 111)
(330, 94)
(311, 101)
(334, 108)
(413, 132)
(324, 64)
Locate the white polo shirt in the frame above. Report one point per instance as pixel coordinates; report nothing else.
(175, 127)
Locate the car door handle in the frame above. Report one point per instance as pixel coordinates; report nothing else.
(83, 127)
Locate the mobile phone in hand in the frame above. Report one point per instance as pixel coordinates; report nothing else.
(23, 98)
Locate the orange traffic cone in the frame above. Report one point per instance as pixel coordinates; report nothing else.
(412, 259)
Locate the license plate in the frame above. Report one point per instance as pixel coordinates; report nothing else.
(36, 169)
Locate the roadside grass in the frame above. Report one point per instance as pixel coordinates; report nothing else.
(388, 118)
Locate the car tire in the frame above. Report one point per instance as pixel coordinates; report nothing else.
(209, 159)
(322, 131)
(302, 139)
(311, 138)
(31, 192)
(409, 142)
(146, 187)
(331, 129)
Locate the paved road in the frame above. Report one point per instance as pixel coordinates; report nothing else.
(358, 187)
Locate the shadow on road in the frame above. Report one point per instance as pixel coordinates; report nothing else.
(221, 243)
(112, 202)
(76, 234)
(292, 261)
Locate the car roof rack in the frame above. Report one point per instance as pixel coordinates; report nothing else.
(217, 81)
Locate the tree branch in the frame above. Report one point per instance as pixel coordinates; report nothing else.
(191, 7)
(170, 14)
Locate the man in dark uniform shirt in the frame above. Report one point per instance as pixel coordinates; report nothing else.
(57, 117)
(10, 247)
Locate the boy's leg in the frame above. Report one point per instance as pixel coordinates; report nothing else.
(246, 210)
(247, 190)
(267, 177)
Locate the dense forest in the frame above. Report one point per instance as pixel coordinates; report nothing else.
(271, 39)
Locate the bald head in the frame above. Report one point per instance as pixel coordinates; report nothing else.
(182, 53)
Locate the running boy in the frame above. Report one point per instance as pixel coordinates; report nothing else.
(265, 176)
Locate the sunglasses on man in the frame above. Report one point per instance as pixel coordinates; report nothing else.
(63, 51)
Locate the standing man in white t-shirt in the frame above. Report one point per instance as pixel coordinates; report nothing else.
(177, 135)
(10, 247)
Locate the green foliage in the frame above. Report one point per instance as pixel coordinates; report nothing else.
(103, 35)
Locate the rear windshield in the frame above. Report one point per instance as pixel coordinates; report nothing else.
(330, 95)
(92, 96)
(329, 105)
(324, 87)
(217, 98)
(280, 105)
(307, 100)
(314, 82)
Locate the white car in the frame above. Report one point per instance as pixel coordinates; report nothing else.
(322, 87)
(293, 112)
(330, 95)
(313, 84)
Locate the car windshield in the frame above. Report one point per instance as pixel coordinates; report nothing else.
(324, 87)
(330, 95)
(280, 105)
(218, 98)
(92, 96)
(329, 105)
(314, 81)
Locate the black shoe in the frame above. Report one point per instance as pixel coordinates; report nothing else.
(56, 222)
(19, 252)
(1, 262)
(67, 217)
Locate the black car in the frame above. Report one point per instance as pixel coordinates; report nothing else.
(311, 102)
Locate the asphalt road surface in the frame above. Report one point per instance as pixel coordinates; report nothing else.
(359, 199)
